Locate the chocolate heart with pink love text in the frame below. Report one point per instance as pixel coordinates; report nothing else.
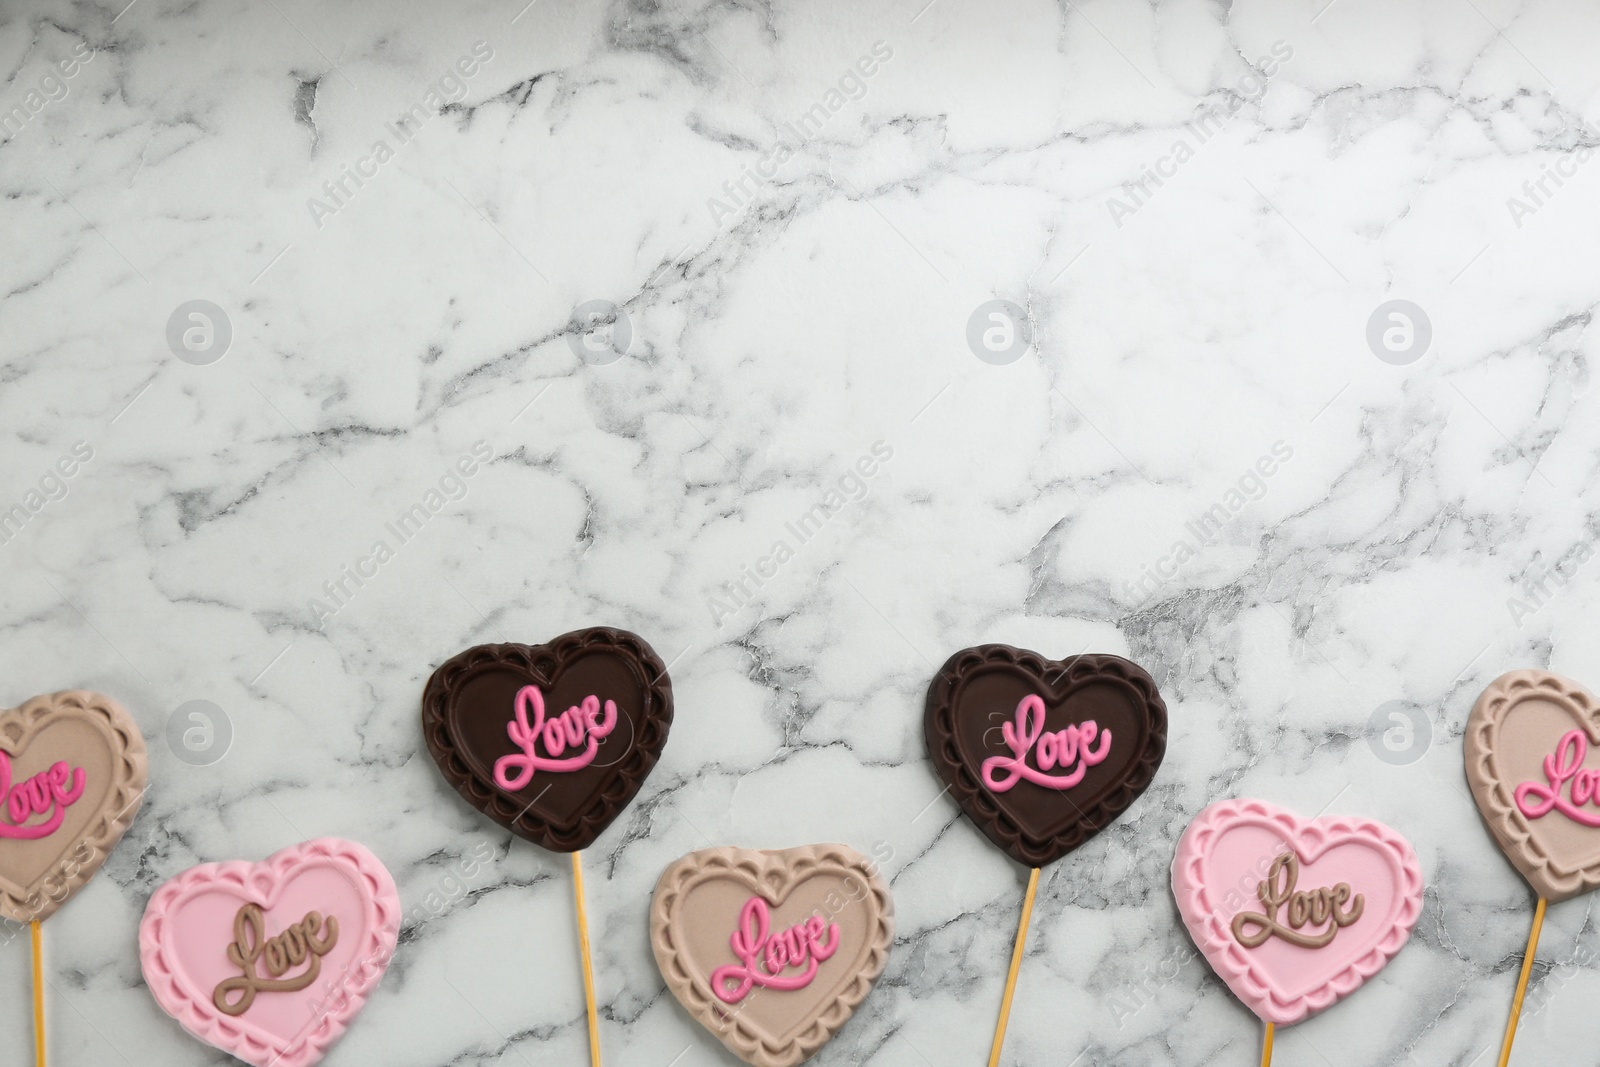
(1532, 750)
(550, 741)
(1043, 754)
(772, 951)
(1294, 913)
(72, 776)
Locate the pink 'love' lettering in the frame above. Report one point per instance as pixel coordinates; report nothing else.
(802, 945)
(578, 724)
(1052, 749)
(49, 793)
(1561, 766)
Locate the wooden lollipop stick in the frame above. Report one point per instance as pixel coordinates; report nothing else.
(1522, 982)
(588, 965)
(38, 997)
(1266, 1046)
(1016, 963)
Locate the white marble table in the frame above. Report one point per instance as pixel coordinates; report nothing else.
(393, 213)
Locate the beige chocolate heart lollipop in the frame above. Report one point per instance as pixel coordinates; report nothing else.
(772, 951)
(1534, 770)
(72, 775)
(1533, 762)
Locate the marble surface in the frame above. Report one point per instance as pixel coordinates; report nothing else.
(1197, 209)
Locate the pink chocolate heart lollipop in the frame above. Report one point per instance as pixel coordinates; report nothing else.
(1294, 913)
(270, 961)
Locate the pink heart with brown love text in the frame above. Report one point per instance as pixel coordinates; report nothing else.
(1293, 913)
(270, 961)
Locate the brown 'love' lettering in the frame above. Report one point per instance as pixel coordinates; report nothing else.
(1312, 907)
(299, 943)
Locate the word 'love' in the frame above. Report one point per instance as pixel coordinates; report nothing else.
(291, 948)
(1561, 766)
(559, 733)
(1306, 908)
(1056, 748)
(49, 793)
(802, 945)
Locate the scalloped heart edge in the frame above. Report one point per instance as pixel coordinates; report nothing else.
(796, 864)
(1230, 962)
(205, 1023)
(1493, 794)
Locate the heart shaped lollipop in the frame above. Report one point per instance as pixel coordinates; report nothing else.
(1536, 778)
(550, 741)
(1533, 761)
(72, 777)
(772, 951)
(1043, 754)
(1294, 913)
(270, 961)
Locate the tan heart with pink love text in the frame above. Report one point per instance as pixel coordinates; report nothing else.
(1533, 761)
(72, 775)
(772, 951)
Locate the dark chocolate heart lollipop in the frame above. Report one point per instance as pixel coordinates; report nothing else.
(1043, 754)
(550, 741)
